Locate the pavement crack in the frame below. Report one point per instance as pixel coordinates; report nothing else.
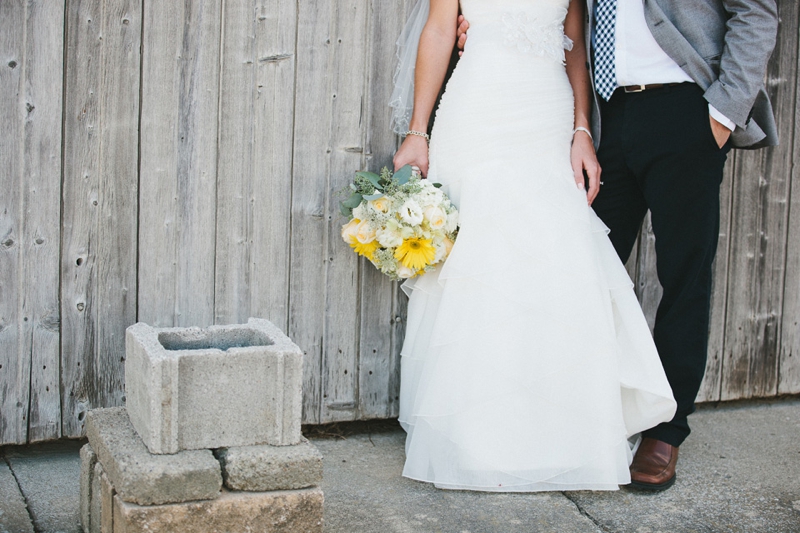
(581, 510)
(36, 529)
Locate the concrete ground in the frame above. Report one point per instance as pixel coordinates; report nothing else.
(739, 471)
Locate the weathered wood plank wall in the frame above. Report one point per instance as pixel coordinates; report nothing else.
(178, 163)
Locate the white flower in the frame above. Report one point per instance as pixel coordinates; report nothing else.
(452, 222)
(404, 272)
(365, 234)
(380, 205)
(435, 216)
(411, 213)
(407, 231)
(349, 231)
(389, 238)
(443, 250)
(360, 212)
(430, 195)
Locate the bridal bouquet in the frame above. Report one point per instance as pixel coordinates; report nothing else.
(403, 224)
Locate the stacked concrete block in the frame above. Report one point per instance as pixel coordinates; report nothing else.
(194, 389)
(153, 466)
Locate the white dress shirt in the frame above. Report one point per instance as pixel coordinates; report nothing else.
(639, 60)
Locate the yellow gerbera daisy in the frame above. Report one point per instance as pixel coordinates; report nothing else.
(367, 250)
(415, 253)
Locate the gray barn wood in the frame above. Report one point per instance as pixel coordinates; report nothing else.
(204, 144)
(100, 192)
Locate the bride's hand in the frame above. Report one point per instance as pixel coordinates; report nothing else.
(461, 33)
(584, 159)
(414, 152)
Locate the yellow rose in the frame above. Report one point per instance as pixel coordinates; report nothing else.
(380, 205)
(443, 248)
(364, 233)
(349, 231)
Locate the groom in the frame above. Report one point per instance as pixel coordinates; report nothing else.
(677, 85)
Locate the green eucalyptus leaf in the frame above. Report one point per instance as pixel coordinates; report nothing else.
(372, 177)
(373, 196)
(403, 175)
(344, 210)
(353, 186)
(353, 201)
(437, 185)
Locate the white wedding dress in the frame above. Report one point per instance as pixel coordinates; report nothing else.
(527, 362)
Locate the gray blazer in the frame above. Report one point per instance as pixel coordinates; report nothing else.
(724, 46)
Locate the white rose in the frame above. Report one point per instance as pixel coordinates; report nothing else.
(364, 233)
(349, 231)
(380, 205)
(452, 222)
(360, 212)
(389, 238)
(404, 272)
(435, 216)
(411, 213)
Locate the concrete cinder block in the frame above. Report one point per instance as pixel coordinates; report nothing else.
(222, 386)
(107, 494)
(95, 500)
(254, 512)
(101, 504)
(264, 467)
(88, 460)
(144, 478)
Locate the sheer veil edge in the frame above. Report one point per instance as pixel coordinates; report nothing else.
(402, 99)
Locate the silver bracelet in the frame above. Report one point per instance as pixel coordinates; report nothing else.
(581, 128)
(418, 134)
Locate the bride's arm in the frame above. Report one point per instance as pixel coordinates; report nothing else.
(583, 155)
(435, 48)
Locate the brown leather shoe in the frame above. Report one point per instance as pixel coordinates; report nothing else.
(653, 466)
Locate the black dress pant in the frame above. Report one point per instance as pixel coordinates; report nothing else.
(658, 152)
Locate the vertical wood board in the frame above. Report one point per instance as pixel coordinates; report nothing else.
(98, 263)
(789, 376)
(377, 360)
(15, 364)
(311, 157)
(31, 72)
(178, 154)
(348, 93)
(758, 239)
(255, 161)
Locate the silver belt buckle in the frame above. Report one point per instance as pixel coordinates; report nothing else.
(634, 88)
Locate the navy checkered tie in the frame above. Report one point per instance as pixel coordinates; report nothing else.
(605, 77)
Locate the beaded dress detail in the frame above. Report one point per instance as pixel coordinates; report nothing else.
(527, 363)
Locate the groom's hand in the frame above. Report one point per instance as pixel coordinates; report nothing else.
(721, 133)
(461, 32)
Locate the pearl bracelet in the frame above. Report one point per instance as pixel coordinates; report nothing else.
(581, 128)
(418, 134)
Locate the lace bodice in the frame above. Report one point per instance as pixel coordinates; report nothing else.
(534, 27)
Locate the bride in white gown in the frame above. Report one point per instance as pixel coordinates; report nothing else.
(527, 362)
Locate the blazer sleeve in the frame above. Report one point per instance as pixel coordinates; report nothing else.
(751, 32)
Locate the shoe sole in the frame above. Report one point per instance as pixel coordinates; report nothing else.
(652, 487)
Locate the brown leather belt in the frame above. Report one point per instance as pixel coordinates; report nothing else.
(642, 88)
